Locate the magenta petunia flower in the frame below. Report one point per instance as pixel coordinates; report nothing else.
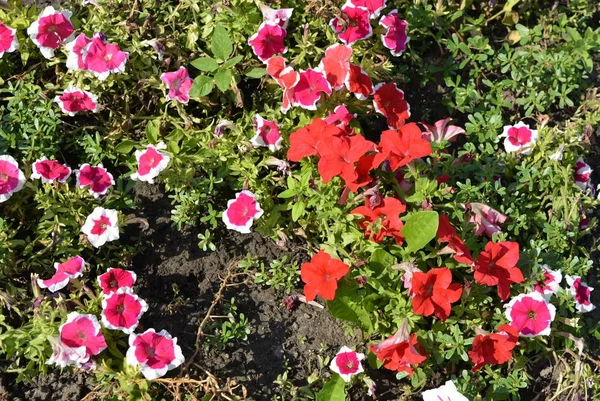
(155, 353)
(354, 26)
(50, 171)
(486, 219)
(395, 38)
(77, 53)
(8, 39)
(267, 134)
(82, 331)
(519, 138)
(340, 117)
(179, 84)
(347, 363)
(122, 310)
(241, 212)
(268, 41)
(11, 178)
(279, 17)
(115, 279)
(359, 82)
(336, 65)
(97, 178)
(102, 58)
(51, 30)
(531, 314)
(583, 174)
(581, 292)
(150, 162)
(75, 100)
(550, 284)
(71, 268)
(101, 226)
(309, 88)
(374, 6)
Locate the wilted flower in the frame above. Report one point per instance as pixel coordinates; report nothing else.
(446, 392)
(12, 178)
(115, 279)
(71, 268)
(267, 134)
(101, 226)
(221, 126)
(519, 138)
(51, 30)
(96, 178)
(347, 363)
(179, 84)
(158, 47)
(268, 41)
(485, 218)
(558, 155)
(63, 356)
(83, 331)
(279, 17)
(531, 314)
(50, 171)
(441, 131)
(150, 162)
(581, 292)
(122, 310)
(75, 100)
(8, 39)
(155, 353)
(241, 212)
(395, 38)
(551, 282)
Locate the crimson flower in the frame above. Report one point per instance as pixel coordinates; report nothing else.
(433, 292)
(395, 37)
(402, 147)
(339, 155)
(305, 141)
(400, 354)
(321, 275)
(494, 349)
(50, 30)
(75, 100)
(497, 266)
(359, 82)
(155, 353)
(389, 101)
(447, 233)
(8, 39)
(388, 213)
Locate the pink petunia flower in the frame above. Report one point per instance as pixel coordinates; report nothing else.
(75, 100)
(150, 162)
(550, 284)
(122, 310)
(97, 178)
(155, 353)
(71, 268)
(359, 82)
(103, 59)
(389, 100)
(441, 131)
(279, 17)
(51, 30)
(12, 178)
(485, 218)
(307, 91)
(336, 65)
(268, 41)
(531, 314)
(115, 279)
(374, 6)
(241, 212)
(347, 363)
(83, 331)
(583, 174)
(63, 356)
(179, 84)
(101, 226)
(581, 293)
(395, 38)
(267, 134)
(340, 117)
(354, 25)
(8, 39)
(519, 138)
(77, 53)
(446, 392)
(50, 171)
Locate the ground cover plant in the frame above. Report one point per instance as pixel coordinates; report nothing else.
(299, 200)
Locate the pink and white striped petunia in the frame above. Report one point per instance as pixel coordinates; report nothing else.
(309, 88)
(12, 178)
(101, 226)
(550, 284)
(71, 268)
(50, 171)
(150, 162)
(241, 212)
(115, 279)
(8, 39)
(52, 29)
(354, 26)
(279, 17)
(267, 134)
(531, 314)
(83, 331)
(96, 178)
(122, 310)
(268, 41)
(581, 292)
(583, 174)
(395, 38)
(75, 100)
(347, 363)
(179, 84)
(103, 58)
(155, 353)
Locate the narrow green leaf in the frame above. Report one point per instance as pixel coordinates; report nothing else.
(221, 43)
(256, 72)
(223, 79)
(201, 87)
(333, 390)
(231, 62)
(420, 228)
(298, 210)
(206, 64)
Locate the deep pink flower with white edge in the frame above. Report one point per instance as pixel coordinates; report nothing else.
(96, 178)
(155, 353)
(340, 117)
(12, 178)
(8, 39)
(115, 279)
(519, 138)
(309, 88)
(347, 363)
(531, 314)
(268, 41)
(77, 52)
(151, 162)
(354, 26)
(75, 100)
(179, 84)
(101, 226)
(63, 356)
(51, 30)
(83, 331)
(395, 38)
(581, 292)
(50, 171)
(122, 310)
(267, 134)
(279, 17)
(71, 268)
(550, 284)
(374, 6)
(486, 219)
(446, 392)
(241, 212)
(583, 174)
(103, 59)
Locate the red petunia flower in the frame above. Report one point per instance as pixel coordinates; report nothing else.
(286, 77)
(388, 213)
(305, 141)
(447, 233)
(389, 101)
(321, 275)
(359, 82)
(497, 266)
(433, 292)
(336, 64)
(339, 155)
(268, 41)
(364, 166)
(354, 25)
(116, 278)
(400, 354)
(402, 147)
(494, 349)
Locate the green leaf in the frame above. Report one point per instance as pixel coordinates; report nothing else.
(231, 62)
(381, 261)
(125, 147)
(333, 390)
(347, 305)
(298, 210)
(207, 64)
(420, 228)
(223, 79)
(201, 87)
(288, 193)
(221, 43)
(256, 72)
(153, 131)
